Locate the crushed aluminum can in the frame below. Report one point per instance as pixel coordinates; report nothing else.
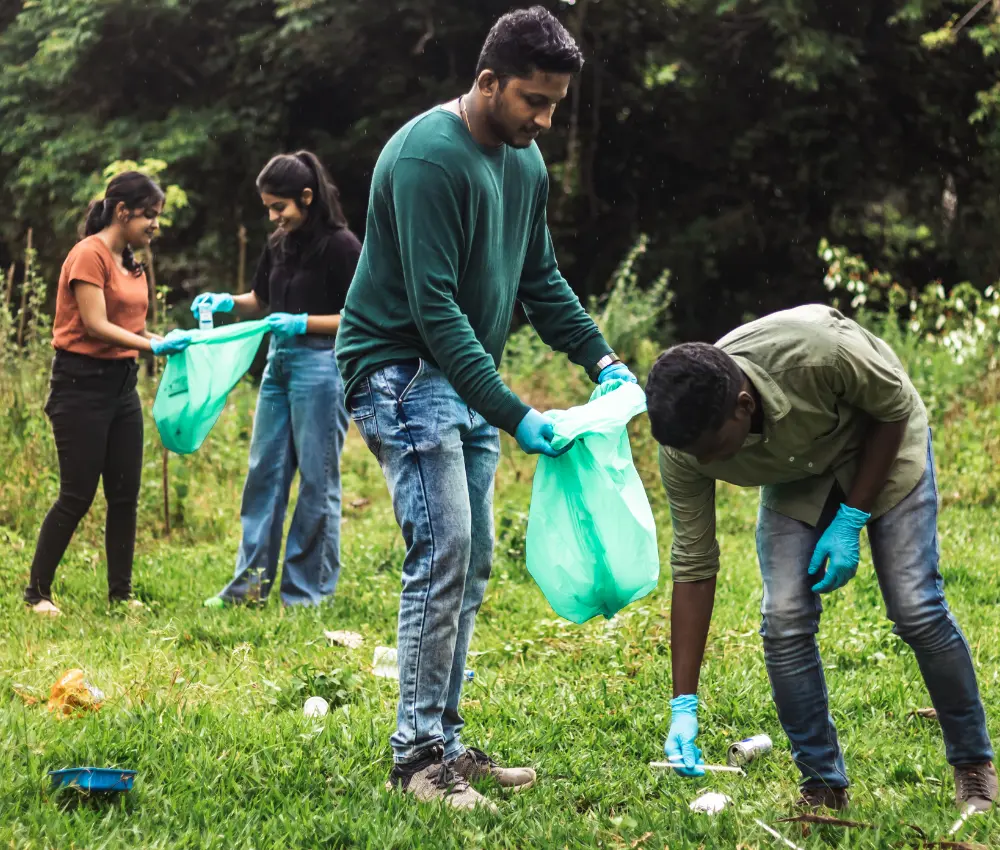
(749, 749)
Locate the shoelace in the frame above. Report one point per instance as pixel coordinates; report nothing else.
(447, 780)
(973, 782)
(480, 758)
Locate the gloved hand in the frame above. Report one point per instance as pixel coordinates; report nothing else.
(287, 325)
(680, 746)
(173, 343)
(217, 302)
(534, 435)
(616, 372)
(841, 543)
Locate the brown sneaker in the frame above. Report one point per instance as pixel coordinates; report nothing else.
(975, 786)
(432, 779)
(816, 797)
(474, 764)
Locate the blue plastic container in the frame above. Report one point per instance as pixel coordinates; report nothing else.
(93, 780)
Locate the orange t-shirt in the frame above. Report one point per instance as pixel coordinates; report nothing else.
(126, 297)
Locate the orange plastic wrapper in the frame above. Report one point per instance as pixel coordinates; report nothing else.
(73, 693)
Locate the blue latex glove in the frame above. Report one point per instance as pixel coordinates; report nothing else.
(287, 325)
(680, 745)
(534, 435)
(173, 343)
(616, 372)
(217, 302)
(841, 544)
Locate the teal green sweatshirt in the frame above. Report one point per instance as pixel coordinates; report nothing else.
(456, 233)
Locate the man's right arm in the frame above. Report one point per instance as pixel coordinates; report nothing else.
(694, 560)
(429, 229)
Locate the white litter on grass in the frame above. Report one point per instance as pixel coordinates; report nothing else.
(710, 803)
(966, 814)
(776, 834)
(352, 640)
(384, 664)
(315, 707)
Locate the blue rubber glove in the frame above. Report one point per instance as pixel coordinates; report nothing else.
(616, 372)
(287, 325)
(534, 435)
(217, 302)
(680, 746)
(841, 544)
(173, 343)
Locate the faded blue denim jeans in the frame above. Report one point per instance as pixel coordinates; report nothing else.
(300, 424)
(905, 553)
(439, 459)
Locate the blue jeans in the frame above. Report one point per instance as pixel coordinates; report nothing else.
(905, 553)
(439, 459)
(300, 423)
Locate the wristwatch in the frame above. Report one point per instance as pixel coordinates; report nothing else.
(607, 360)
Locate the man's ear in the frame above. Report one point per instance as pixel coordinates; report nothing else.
(488, 83)
(745, 404)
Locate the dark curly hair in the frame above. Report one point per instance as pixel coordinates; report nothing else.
(527, 40)
(691, 390)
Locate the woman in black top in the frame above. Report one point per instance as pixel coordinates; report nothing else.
(301, 421)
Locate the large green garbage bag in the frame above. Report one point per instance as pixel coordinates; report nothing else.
(196, 382)
(591, 540)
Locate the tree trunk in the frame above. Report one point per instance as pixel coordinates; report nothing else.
(241, 268)
(10, 284)
(24, 291)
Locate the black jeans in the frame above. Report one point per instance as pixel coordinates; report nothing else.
(97, 421)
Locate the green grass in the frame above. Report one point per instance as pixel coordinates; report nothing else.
(206, 705)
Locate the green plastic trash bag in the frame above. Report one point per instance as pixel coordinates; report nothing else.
(196, 382)
(591, 541)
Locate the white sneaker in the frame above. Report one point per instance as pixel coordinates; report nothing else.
(45, 609)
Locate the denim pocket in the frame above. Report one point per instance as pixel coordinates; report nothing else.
(361, 405)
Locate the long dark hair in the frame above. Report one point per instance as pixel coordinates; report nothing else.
(138, 192)
(288, 175)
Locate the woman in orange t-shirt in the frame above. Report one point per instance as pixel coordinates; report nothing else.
(99, 330)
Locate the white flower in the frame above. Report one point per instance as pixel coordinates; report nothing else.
(940, 322)
(959, 305)
(914, 326)
(994, 311)
(827, 255)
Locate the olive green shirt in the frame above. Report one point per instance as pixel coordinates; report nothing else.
(822, 379)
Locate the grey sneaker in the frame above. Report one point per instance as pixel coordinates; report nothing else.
(474, 764)
(431, 779)
(976, 786)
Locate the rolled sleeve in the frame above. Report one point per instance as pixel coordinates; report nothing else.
(694, 554)
(865, 379)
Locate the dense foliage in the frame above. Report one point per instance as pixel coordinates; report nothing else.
(735, 133)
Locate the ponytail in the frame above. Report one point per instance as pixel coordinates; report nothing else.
(136, 191)
(98, 217)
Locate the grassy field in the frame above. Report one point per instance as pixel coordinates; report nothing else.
(206, 705)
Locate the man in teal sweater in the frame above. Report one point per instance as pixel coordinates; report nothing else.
(457, 233)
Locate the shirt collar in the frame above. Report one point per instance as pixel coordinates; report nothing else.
(775, 403)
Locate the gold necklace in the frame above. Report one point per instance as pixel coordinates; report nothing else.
(465, 115)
